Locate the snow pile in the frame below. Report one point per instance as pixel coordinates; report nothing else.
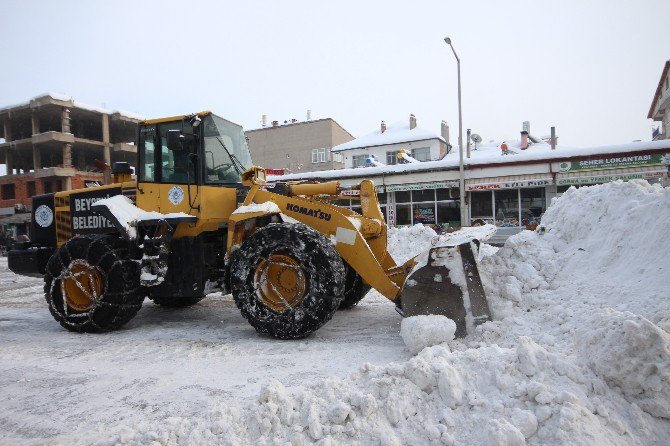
(631, 353)
(419, 332)
(268, 207)
(127, 214)
(409, 241)
(578, 353)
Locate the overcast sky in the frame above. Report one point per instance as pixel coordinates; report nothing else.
(588, 67)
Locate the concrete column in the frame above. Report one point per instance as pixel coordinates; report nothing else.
(67, 183)
(65, 120)
(67, 155)
(37, 156)
(9, 159)
(105, 139)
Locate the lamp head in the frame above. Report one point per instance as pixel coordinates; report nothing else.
(448, 40)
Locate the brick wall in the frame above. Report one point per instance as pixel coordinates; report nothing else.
(21, 186)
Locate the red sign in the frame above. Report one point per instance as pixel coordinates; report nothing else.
(274, 171)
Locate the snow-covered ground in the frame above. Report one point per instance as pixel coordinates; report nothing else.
(578, 353)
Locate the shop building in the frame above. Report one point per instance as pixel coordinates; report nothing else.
(384, 144)
(505, 185)
(660, 105)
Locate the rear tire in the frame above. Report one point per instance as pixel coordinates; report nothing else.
(91, 285)
(287, 280)
(354, 289)
(176, 301)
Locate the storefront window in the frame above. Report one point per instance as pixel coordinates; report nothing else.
(424, 213)
(507, 208)
(402, 197)
(403, 215)
(443, 194)
(481, 206)
(381, 197)
(423, 195)
(533, 205)
(448, 213)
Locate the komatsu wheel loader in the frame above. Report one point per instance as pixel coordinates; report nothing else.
(199, 217)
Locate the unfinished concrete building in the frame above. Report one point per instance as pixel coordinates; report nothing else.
(54, 143)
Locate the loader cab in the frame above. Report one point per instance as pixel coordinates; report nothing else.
(200, 150)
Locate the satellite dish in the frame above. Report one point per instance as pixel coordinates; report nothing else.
(476, 139)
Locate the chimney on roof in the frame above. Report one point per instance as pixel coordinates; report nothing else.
(383, 126)
(524, 140)
(412, 122)
(444, 132)
(275, 123)
(264, 120)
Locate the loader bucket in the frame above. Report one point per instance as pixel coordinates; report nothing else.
(445, 281)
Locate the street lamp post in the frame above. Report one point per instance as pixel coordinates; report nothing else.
(461, 185)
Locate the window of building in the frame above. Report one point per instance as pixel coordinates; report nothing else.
(47, 187)
(319, 155)
(392, 157)
(507, 207)
(358, 160)
(423, 195)
(30, 187)
(481, 206)
(421, 154)
(403, 214)
(7, 192)
(338, 157)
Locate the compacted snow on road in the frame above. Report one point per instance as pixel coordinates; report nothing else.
(578, 353)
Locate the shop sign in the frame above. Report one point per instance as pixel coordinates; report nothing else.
(509, 184)
(608, 178)
(612, 163)
(424, 215)
(421, 186)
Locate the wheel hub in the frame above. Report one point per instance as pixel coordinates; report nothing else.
(280, 282)
(81, 286)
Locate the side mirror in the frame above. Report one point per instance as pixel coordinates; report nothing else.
(175, 140)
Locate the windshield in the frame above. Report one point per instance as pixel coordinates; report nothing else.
(226, 151)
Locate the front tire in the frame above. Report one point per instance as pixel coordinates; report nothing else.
(287, 280)
(91, 285)
(354, 289)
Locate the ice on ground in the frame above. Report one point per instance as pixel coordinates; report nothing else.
(419, 332)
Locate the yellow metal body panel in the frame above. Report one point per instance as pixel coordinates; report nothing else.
(172, 118)
(215, 204)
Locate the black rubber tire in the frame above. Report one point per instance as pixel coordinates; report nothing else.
(122, 294)
(324, 276)
(354, 289)
(176, 301)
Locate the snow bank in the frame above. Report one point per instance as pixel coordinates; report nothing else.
(578, 353)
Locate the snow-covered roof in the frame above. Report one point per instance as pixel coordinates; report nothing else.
(395, 134)
(486, 154)
(77, 104)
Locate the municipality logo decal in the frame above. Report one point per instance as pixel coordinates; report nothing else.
(564, 166)
(176, 195)
(44, 216)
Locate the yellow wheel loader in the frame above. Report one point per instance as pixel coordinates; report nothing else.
(199, 217)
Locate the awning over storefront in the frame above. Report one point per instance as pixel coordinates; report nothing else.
(606, 176)
(513, 182)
